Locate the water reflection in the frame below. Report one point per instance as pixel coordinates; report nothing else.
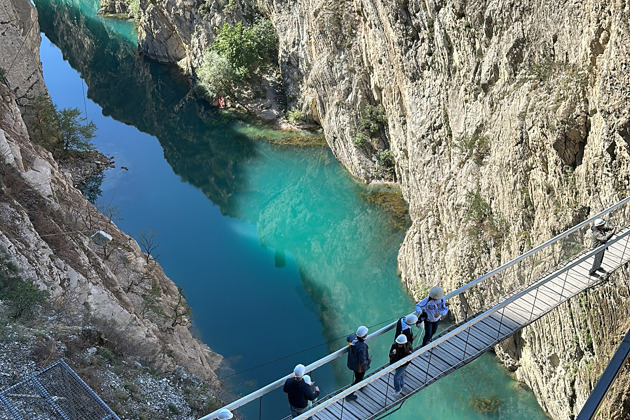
(200, 144)
(303, 204)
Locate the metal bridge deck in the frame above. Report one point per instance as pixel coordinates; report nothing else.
(470, 340)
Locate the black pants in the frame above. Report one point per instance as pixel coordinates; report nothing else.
(358, 377)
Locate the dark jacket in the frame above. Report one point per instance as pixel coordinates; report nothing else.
(300, 393)
(599, 236)
(398, 352)
(408, 332)
(358, 357)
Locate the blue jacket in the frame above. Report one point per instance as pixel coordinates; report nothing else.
(358, 357)
(300, 393)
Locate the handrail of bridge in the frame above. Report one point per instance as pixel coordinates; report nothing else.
(466, 325)
(590, 407)
(339, 353)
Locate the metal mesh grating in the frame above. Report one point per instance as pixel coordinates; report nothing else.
(54, 393)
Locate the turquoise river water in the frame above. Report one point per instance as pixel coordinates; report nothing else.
(277, 250)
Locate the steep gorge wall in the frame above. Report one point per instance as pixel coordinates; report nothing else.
(519, 108)
(19, 61)
(45, 228)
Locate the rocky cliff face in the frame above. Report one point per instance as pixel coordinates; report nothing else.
(179, 31)
(19, 37)
(508, 122)
(45, 229)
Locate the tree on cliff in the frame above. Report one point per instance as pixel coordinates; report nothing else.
(76, 133)
(215, 76)
(247, 48)
(239, 54)
(60, 131)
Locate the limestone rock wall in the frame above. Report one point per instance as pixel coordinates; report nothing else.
(45, 228)
(19, 61)
(86, 282)
(179, 31)
(509, 122)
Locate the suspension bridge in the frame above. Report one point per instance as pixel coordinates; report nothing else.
(526, 288)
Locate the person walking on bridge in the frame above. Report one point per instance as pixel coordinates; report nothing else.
(358, 357)
(300, 393)
(400, 349)
(403, 326)
(431, 309)
(599, 237)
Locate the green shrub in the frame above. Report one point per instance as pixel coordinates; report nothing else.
(22, 296)
(173, 408)
(61, 131)
(360, 141)
(386, 158)
(476, 146)
(373, 118)
(43, 126)
(247, 48)
(484, 222)
(295, 115)
(478, 209)
(215, 75)
(106, 354)
(76, 133)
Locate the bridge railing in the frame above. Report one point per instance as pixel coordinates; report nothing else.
(502, 282)
(464, 329)
(599, 393)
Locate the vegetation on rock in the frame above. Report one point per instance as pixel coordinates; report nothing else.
(21, 296)
(394, 205)
(239, 54)
(373, 119)
(64, 132)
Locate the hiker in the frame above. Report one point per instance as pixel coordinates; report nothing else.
(358, 358)
(299, 392)
(599, 237)
(400, 349)
(430, 310)
(403, 326)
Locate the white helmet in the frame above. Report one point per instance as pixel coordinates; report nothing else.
(362, 331)
(401, 339)
(307, 379)
(411, 319)
(599, 222)
(299, 370)
(436, 293)
(225, 414)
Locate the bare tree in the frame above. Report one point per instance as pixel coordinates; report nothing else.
(148, 242)
(111, 211)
